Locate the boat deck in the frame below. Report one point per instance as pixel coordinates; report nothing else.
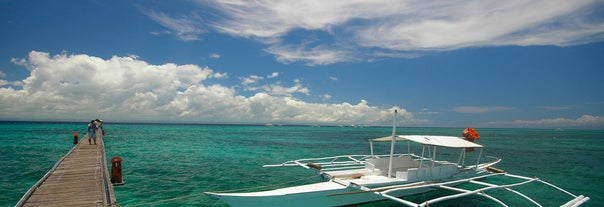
(80, 178)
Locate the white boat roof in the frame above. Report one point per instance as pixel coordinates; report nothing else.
(441, 141)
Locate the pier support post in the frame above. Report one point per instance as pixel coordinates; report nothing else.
(75, 138)
(116, 171)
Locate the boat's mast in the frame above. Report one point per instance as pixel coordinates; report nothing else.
(392, 143)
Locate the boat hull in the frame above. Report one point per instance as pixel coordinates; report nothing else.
(325, 194)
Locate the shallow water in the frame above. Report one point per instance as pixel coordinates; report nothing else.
(172, 165)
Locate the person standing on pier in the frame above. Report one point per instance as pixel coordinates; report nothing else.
(99, 123)
(92, 132)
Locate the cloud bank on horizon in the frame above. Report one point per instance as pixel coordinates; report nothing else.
(313, 33)
(62, 87)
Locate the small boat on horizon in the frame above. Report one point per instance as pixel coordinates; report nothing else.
(355, 179)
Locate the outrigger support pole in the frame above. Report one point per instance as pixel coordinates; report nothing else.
(392, 143)
(371, 147)
(478, 159)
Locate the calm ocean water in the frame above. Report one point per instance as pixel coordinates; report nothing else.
(172, 165)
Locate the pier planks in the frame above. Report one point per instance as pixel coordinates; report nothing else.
(80, 178)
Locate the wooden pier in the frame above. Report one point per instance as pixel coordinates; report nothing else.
(80, 178)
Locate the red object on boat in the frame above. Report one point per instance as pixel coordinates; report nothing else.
(471, 135)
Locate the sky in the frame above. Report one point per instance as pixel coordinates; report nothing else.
(487, 63)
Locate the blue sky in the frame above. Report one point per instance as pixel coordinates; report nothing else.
(536, 64)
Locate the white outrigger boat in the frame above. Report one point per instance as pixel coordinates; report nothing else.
(355, 179)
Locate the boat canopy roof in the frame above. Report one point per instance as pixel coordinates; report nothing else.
(441, 141)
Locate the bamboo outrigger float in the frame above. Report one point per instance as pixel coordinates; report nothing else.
(353, 179)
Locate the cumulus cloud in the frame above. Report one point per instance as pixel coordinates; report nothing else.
(273, 75)
(252, 79)
(583, 121)
(8, 83)
(252, 83)
(358, 29)
(278, 89)
(81, 87)
(220, 75)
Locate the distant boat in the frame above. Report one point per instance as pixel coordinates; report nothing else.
(354, 179)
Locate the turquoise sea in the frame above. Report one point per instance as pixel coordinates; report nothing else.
(172, 165)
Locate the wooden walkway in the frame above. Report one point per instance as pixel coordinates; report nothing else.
(80, 178)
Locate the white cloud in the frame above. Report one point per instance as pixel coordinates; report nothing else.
(215, 56)
(426, 111)
(315, 56)
(165, 32)
(270, 19)
(252, 79)
(583, 121)
(21, 62)
(273, 75)
(251, 83)
(185, 28)
(333, 78)
(278, 89)
(480, 109)
(11, 83)
(81, 87)
(220, 75)
(403, 29)
(8, 83)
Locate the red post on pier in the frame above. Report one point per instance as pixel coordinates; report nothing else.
(75, 138)
(116, 171)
